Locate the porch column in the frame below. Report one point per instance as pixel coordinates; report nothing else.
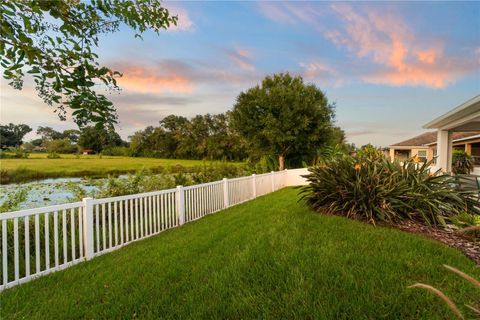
(392, 154)
(444, 150)
(468, 148)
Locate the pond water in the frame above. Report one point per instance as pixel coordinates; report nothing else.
(47, 192)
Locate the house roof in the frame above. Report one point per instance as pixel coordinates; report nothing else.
(465, 117)
(428, 138)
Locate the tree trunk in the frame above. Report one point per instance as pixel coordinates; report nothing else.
(281, 162)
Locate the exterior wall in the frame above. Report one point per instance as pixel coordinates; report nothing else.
(413, 152)
(400, 153)
(468, 148)
(428, 150)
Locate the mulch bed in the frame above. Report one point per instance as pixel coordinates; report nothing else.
(449, 237)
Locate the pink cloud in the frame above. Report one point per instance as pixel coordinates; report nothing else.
(428, 56)
(276, 12)
(321, 72)
(382, 37)
(242, 57)
(403, 59)
(184, 23)
(293, 13)
(147, 80)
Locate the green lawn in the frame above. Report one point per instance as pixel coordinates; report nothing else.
(38, 166)
(269, 258)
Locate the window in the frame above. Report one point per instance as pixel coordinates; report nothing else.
(422, 155)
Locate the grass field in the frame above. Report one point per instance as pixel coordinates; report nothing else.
(38, 166)
(268, 258)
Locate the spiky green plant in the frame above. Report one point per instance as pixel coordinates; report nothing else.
(370, 187)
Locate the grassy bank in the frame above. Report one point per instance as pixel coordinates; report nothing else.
(38, 166)
(269, 258)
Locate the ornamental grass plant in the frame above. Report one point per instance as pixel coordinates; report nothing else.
(370, 187)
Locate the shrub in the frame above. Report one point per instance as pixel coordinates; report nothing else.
(12, 200)
(17, 153)
(370, 187)
(116, 151)
(461, 162)
(146, 180)
(60, 146)
(53, 155)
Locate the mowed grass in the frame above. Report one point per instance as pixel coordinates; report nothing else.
(38, 166)
(268, 258)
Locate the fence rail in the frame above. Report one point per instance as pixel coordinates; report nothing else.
(38, 241)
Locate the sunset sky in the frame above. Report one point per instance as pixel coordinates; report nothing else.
(389, 67)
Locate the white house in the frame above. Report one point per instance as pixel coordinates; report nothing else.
(464, 118)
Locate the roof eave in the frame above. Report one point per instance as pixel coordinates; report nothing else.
(452, 116)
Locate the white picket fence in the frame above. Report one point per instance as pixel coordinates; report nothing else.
(39, 241)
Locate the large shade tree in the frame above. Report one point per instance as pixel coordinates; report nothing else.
(283, 117)
(98, 139)
(54, 42)
(11, 135)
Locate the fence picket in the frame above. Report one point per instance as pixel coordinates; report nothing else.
(27, 246)
(115, 222)
(72, 230)
(55, 237)
(97, 225)
(121, 222)
(109, 205)
(64, 233)
(104, 228)
(37, 243)
(15, 248)
(4, 253)
(80, 231)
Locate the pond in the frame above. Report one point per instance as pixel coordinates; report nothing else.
(47, 192)
(54, 191)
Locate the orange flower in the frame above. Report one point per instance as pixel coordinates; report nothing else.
(358, 167)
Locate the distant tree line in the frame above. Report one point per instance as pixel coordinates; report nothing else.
(201, 137)
(68, 141)
(283, 119)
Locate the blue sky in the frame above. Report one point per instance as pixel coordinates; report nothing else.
(390, 67)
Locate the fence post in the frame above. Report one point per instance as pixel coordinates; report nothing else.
(88, 227)
(273, 180)
(285, 175)
(254, 185)
(225, 193)
(180, 195)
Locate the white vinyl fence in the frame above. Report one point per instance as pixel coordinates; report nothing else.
(35, 242)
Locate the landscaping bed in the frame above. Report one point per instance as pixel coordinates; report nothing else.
(450, 237)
